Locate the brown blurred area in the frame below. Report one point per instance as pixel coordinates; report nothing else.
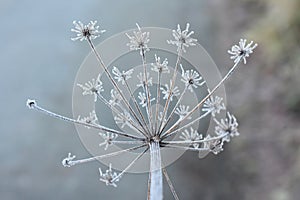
(264, 162)
(39, 61)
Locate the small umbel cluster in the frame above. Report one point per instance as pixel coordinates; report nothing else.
(154, 130)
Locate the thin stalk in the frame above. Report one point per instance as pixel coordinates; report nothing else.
(195, 141)
(75, 162)
(164, 136)
(156, 185)
(136, 104)
(172, 112)
(157, 102)
(205, 98)
(96, 126)
(132, 163)
(119, 113)
(170, 184)
(146, 90)
(114, 83)
(187, 148)
(171, 87)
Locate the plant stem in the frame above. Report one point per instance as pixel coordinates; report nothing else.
(156, 185)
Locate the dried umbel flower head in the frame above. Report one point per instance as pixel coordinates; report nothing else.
(154, 125)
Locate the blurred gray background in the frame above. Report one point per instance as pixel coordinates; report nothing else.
(38, 60)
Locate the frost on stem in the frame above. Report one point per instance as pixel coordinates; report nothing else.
(109, 177)
(182, 38)
(88, 31)
(139, 40)
(93, 87)
(241, 51)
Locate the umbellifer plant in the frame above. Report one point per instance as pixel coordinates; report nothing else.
(153, 125)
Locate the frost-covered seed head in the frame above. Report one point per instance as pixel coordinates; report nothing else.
(227, 126)
(241, 51)
(93, 87)
(91, 119)
(213, 105)
(142, 82)
(109, 177)
(214, 146)
(182, 38)
(67, 162)
(122, 76)
(108, 139)
(123, 119)
(139, 40)
(191, 136)
(191, 79)
(30, 103)
(167, 90)
(115, 98)
(88, 31)
(182, 111)
(160, 67)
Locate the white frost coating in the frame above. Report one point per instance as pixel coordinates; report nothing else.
(156, 186)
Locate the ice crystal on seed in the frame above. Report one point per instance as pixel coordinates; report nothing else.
(191, 136)
(109, 177)
(122, 76)
(191, 79)
(213, 105)
(160, 67)
(84, 32)
(108, 139)
(93, 87)
(241, 51)
(183, 38)
(167, 90)
(139, 40)
(182, 111)
(67, 162)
